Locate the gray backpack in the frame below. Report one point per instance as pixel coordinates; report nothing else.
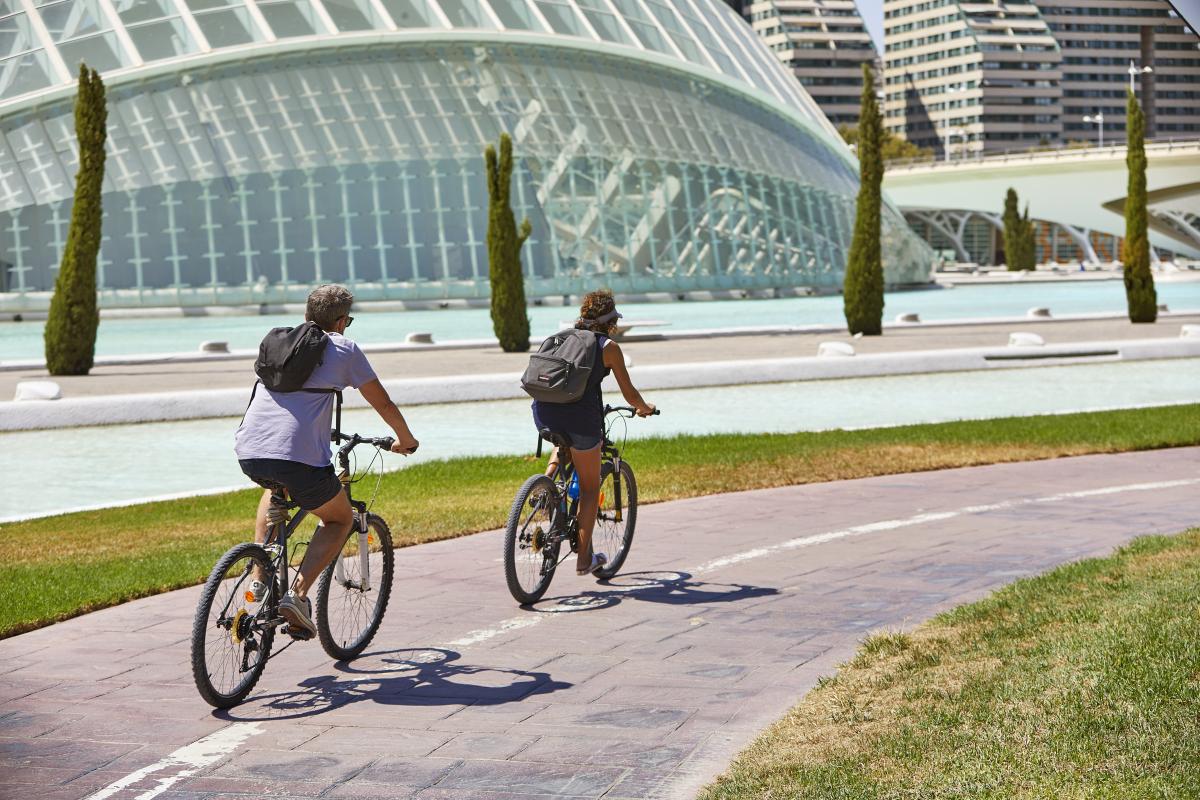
(558, 372)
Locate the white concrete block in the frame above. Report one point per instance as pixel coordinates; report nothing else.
(419, 337)
(834, 349)
(1025, 339)
(908, 317)
(214, 347)
(38, 390)
(1038, 313)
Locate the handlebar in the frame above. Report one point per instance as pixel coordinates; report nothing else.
(354, 440)
(632, 412)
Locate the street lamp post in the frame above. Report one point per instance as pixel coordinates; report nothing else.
(1099, 120)
(1134, 72)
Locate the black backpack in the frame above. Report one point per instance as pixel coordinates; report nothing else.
(287, 358)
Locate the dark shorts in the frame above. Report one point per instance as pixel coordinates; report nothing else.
(579, 432)
(311, 487)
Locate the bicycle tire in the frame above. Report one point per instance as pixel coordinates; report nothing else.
(202, 671)
(515, 540)
(629, 499)
(346, 645)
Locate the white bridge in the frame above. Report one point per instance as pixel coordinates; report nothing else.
(1080, 191)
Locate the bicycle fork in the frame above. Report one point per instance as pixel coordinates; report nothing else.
(364, 556)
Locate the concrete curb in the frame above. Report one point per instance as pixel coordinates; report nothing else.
(164, 406)
(680, 335)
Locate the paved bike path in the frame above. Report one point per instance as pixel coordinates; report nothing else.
(729, 610)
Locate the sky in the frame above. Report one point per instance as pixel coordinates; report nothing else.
(872, 13)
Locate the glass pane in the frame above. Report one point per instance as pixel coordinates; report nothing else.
(25, 73)
(204, 5)
(15, 36)
(159, 40)
(466, 14)
(9, 7)
(227, 28)
(72, 18)
(642, 27)
(604, 22)
(131, 11)
(101, 52)
(516, 14)
(352, 15)
(289, 18)
(412, 14)
(562, 18)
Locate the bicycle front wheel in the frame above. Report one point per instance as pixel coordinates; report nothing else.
(231, 639)
(530, 555)
(616, 517)
(354, 590)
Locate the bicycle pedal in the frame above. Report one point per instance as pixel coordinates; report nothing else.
(298, 635)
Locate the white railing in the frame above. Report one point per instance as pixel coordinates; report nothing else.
(1038, 154)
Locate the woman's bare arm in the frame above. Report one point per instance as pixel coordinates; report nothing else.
(614, 359)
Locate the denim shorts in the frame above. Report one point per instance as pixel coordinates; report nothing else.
(311, 487)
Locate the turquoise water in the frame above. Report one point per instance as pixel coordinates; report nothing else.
(76, 467)
(23, 340)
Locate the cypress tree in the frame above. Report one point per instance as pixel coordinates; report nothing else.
(1140, 295)
(1012, 231)
(70, 335)
(509, 318)
(1028, 243)
(863, 288)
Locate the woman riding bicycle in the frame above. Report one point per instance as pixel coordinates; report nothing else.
(582, 422)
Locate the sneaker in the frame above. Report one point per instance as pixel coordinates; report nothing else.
(256, 592)
(298, 613)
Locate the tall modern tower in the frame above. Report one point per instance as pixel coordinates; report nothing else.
(824, 43)
(971, 77)
(1099, 39)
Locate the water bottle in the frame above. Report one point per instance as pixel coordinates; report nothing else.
(573, 486)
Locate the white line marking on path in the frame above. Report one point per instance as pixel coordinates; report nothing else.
(919, 519)
(191, 758)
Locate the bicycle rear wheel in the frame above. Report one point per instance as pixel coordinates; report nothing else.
(230, 645)
(349, 608)
(616, 518)
(529, 554)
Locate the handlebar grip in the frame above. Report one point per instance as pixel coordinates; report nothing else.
(386, 442)
(656, 412)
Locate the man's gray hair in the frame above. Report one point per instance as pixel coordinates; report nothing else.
(327, 304)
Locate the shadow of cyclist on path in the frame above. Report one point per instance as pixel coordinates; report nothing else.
(405, 677)
(670, 588)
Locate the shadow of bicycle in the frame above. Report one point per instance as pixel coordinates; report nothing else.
(670, 588)
(405, 677)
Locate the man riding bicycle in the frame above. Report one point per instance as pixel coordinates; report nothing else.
(284, 442)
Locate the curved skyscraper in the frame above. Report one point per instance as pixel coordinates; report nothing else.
(257, 147)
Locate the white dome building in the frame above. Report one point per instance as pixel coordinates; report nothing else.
(257, 147)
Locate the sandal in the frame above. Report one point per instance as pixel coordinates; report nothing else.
(598, 562)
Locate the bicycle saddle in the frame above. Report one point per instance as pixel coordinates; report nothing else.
(554, 437)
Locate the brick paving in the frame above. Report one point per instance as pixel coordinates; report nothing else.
(729, 610)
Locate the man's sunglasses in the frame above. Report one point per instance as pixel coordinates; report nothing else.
(349, 319)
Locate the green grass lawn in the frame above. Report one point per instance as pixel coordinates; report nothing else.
(56, 567)
(1080, 683)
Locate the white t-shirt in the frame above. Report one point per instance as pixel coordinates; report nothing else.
(295, 426)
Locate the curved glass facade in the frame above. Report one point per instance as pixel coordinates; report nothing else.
(660, 148)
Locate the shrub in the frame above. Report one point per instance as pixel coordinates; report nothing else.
(1140, 295)
(70, 335)
(509, 318)
(863, 288)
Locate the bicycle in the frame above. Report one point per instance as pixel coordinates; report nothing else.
(543, 516)
(233, 630)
